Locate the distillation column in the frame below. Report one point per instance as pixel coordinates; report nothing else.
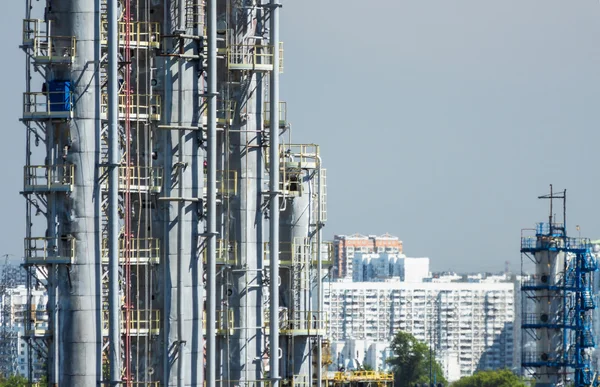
(79, 312)
(182, 157)
(242, 349)
(561, 326)
(295, 257)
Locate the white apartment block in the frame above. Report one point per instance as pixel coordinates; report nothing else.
(346, 246)
(16, 324)
(377, 267)
(470, 325)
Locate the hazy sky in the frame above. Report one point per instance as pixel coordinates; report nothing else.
(440, 121)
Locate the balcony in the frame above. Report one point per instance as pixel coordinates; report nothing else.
(140, 107)
(143, 251)
(54, 105)
(48, 251)
(45, 48)
(226, 252)
(226, 184)
(136, 179)
(141, 34)
(143, 322)
(225, 112)
(282, 115)
(224, 324)
(48, 178)
(253, 57)
(300, 323)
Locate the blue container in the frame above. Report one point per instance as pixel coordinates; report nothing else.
(59, 96)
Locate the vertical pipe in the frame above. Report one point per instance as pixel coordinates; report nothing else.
(274, 203)
(319, 273)
(180, 254)
(211, 225)
(113, 194)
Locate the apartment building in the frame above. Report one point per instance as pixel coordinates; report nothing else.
(376, 267)
(345, 246)
(470, 325)
(17, 326)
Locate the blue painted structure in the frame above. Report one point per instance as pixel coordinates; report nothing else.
(573, 291)
(59, 95)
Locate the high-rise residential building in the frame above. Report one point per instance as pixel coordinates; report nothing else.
(13, 344)
(469, 325)
(345, 246)
(379, 267)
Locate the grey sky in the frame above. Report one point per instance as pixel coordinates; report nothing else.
(439, 121)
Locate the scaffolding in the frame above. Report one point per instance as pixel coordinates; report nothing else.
(559, 329)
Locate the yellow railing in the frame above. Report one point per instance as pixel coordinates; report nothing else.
(141, 321)
(226, 252)
(141, 106)
(281, 57)
(47, 105)
(301, 381)
(289, 252)
(282, 114)
(143, 250)
(300, 322)
(247, 382)
(252, 57)
(323, 207)
(225, 111)
(299, 155)
(326, 253)
(141, 34)
(39, 251)
(224, 321)
(194, 12)
(48, 177)
(141, 179)
(47, 48)
(226, 183)
(366, 376)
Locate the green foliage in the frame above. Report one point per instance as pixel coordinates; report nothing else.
(367, 367)
(411, 362)
(14, 381)
(499, 378)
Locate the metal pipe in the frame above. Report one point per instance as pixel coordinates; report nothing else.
(181, 21)
(274, 202)
(113, 194)
(211, 224)
(180, 267)
(319, 275)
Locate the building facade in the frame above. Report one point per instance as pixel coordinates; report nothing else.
(470, 325)
(14, 336)
(345, 246)
(378, 267)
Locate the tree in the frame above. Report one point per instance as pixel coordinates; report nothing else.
(15, 381)
(411, 362)
(497, 378)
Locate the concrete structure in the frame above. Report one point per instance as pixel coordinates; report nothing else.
(164, 218)
(473, 322)
(345, 246)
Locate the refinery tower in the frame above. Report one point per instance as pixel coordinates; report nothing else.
(557, 303)
(175, 227)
